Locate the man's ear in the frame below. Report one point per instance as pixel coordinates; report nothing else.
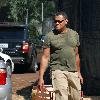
(66, 21)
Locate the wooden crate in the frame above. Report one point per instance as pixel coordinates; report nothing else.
(91, 98)
(46, 94)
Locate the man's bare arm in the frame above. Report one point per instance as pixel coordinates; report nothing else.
(78, 65)
(43, 65)
(77, 60)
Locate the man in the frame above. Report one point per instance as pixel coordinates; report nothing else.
(61, 47)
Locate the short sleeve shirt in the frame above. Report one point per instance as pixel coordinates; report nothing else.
(62, 49)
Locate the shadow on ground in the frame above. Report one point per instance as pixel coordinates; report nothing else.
(26, 92)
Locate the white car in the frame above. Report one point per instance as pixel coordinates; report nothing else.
(6, 69)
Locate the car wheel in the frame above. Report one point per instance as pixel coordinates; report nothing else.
(34, 65)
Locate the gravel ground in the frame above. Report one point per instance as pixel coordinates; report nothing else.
(22, 85)
(18, 97)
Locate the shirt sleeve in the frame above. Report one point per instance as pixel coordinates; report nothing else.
(77, 39)
(46, 43)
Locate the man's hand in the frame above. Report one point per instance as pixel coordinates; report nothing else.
(41, 84)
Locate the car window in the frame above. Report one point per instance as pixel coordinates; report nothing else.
(11, 33)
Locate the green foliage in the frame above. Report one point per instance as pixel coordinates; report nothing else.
(18, 12)
(19, 8)
(2, 3)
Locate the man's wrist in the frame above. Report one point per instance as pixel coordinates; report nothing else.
(40, 78)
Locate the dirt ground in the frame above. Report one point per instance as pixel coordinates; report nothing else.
(22, 85)
(22, 82)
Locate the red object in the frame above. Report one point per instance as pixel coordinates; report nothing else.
(3, 76)
(25, 47)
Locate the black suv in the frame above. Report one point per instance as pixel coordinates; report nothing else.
(14, 39)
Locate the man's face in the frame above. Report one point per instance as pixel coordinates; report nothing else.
(60, 23)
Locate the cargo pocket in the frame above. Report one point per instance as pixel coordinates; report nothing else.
(59, 80)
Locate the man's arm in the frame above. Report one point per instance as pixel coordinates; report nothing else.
(43, 66)
(78, 65)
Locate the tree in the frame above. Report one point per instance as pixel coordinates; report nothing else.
(2, 3)
(19, 7)
(18, 11)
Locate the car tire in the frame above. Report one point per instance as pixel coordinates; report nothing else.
(34, 65)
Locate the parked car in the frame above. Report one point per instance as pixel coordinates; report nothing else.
(6, 69)
(15, 41)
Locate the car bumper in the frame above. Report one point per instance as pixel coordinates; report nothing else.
(5, 93)
(18, 60)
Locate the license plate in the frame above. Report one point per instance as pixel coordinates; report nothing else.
(3, 45)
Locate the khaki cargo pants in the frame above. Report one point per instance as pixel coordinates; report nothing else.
(66, 85)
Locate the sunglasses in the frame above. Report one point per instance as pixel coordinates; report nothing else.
(55, 21)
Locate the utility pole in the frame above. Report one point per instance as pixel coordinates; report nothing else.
(26, 21)
(42, 12)
(42, 17)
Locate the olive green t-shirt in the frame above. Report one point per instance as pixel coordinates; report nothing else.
(62, 49)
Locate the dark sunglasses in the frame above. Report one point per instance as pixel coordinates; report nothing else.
(55, 21)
